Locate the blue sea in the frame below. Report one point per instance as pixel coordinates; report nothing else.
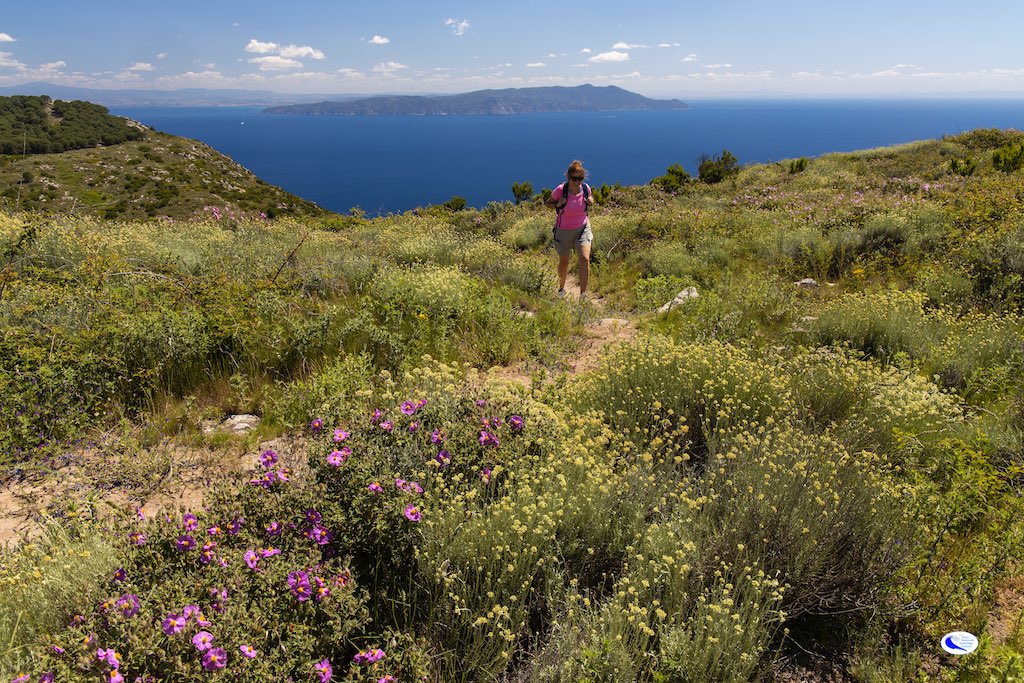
(391, 164)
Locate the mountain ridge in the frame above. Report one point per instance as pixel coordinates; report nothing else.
(488, 102)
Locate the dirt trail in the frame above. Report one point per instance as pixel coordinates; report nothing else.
(597, 336)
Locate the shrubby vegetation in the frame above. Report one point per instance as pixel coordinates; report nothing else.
(767, 476)
(39, 125)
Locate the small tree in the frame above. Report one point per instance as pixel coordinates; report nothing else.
(716, 169)
(455, 204)
(1009, 158)
(674, 180)
(797, 165)
(522, 191)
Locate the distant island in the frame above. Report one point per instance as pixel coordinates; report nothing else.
(488, 102)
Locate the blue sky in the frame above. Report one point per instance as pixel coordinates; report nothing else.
(658, 48)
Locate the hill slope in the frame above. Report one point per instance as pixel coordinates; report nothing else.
(37, 125)
(507, 101)
(156, 175)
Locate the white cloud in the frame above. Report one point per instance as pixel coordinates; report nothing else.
(261, 48)
(292, 51)
(613, 56)
(141, 66)
(389, 68)
(726, 65)
(535, 65)
(668, 44)
(53, 66)
(275, 63)
(379, 40)
(586, 50)
(162, 55)
(5, 38)
(8, 60)
(692, 57)
(458, 26)
(627, 46)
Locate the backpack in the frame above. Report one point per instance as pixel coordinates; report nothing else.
(586, 195)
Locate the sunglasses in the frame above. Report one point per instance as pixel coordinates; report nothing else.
(577, 178)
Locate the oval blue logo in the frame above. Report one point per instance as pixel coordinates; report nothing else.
(959, 643)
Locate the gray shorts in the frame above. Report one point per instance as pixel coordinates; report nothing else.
(567, 240)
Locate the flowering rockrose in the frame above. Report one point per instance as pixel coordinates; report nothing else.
(206, 555)
(137, 538)
(340, 435)
(203, 641)
(485, 475)
(120, 575)
(268, 458)
(321, 589)
(298, 582)
(312, 516)
(323, 670)
(189, 522)
(488, 439)
(368, 656)
(443, 458)
(247, 650)
(408, 408)
(185, 543)
(387, 425)
(316, 426)
(236, 525)
(128, 605)
(215, 658)
(108, 657)
(252, 560)
(337, 458)
(517, 422)
(319, 534)
(437, 437)
(375, 488)
(274, 528)
(173, 624)
(412, 513)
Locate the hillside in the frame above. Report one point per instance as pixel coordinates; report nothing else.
(156, 175)
(489, 102)
(38, 125)
(811, 468)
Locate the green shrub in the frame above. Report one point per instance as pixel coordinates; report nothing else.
(797, 165)
(706, 389)
(963, 167)
(44, 582)
(675, 179)
(728, 631)
(713, 170)
(1009, 158)
(881, 324)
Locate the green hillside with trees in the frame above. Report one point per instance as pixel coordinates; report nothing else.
(39, 125)
(73, 157)
(810, 468)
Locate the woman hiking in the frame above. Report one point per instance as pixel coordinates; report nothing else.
(571, 201)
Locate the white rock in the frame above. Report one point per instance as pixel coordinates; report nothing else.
(241, 423)
(681, 297)
(807, 282)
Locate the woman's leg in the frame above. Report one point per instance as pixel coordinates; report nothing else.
(563, 269)
(584, 266)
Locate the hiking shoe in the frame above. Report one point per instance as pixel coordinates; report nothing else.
(584, 297)
(561, 294)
